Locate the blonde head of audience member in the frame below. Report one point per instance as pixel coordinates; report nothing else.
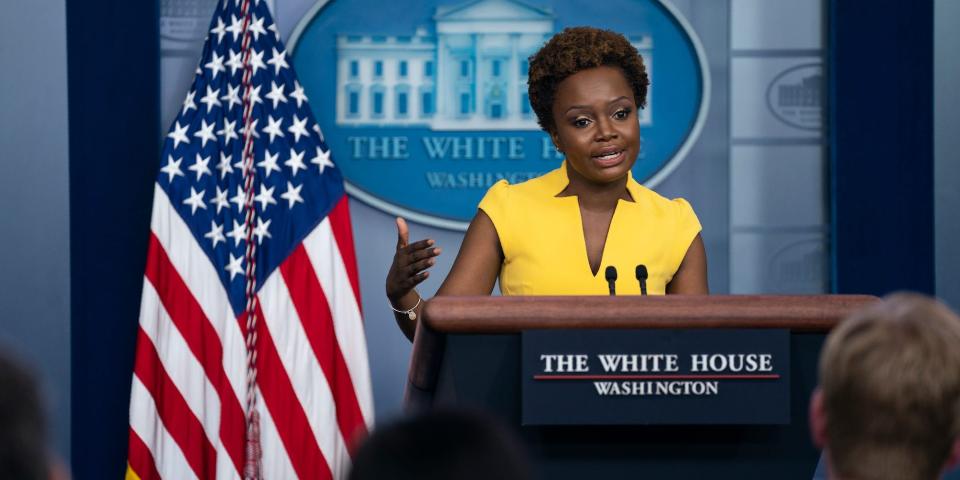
(888, 405)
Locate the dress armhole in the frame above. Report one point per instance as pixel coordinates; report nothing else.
(687, 228)
(496, 205)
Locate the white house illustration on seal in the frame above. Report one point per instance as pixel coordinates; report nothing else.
(470, 75)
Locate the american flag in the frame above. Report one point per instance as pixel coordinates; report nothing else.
(246, 175)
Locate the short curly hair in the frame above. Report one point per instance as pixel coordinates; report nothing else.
(575, 49)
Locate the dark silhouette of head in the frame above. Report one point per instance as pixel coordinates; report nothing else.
(442, 445)
(23, 438)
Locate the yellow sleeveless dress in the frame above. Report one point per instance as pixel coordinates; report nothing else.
(543, 244)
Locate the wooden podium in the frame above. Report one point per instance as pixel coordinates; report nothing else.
(467, 350)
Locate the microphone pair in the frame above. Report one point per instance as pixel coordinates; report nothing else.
(611, 275)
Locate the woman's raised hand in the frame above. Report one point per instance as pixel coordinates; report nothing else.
(410, 264)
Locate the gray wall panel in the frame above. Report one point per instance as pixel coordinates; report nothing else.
(946, 111)
(35, 240)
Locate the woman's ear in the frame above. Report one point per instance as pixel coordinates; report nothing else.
(556, 141)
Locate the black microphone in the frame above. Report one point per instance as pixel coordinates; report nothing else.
(642, 277)
(611, 274)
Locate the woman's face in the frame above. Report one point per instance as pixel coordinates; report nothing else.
(596, 123)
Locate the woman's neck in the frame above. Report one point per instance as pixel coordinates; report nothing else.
(594, 195)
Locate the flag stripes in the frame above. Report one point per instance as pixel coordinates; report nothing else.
(144, 422)
(279, 395)
(184, 371)
(140, 459)
(202, 342)
(339, 219)
(276, 462)
(302, 366)
(174, 412)
(311, 306)
(332, 272)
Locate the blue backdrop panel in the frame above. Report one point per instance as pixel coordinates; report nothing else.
(113, 87)
(881, 142)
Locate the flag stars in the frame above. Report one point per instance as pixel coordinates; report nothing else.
(298, 129)
(265, 197)
(219, 30)
(256, 61)
(236, 27)
(278, 60)
(195, 200)
(200, 167)
(269, 163)
(210, 99)
(215, 234)
(262, 230)
(217, 102)
(215, 65)
(235, 266)
(240, 199)
(298, 93)
(188, 102)
(224, 165)
(220, 201)
(241, 166)
(205, 132)
(232, 97)
(322, 160)
(296, 161)
(292, 195)
(235, 62)
(228, 132)
(256, 28)
(172, 168)
(252, 129)
(238, 234)
(179, 134)
(274, 127)
(276, 94)
(255, 96)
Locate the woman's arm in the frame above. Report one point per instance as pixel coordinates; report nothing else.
(691, 277)
(474, 271)
(409, 269)
(477, 266)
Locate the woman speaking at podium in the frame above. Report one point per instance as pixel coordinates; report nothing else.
(570, 231)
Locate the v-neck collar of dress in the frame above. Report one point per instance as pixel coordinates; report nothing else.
(557, 180)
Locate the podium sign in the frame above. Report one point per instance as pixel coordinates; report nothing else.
(656, 376)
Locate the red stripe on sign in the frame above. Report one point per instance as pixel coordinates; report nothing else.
(343, 234)
(203, 341)
(658, 377)
(285, 408)
(184, 427)
(314, 312)
(140, 460)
